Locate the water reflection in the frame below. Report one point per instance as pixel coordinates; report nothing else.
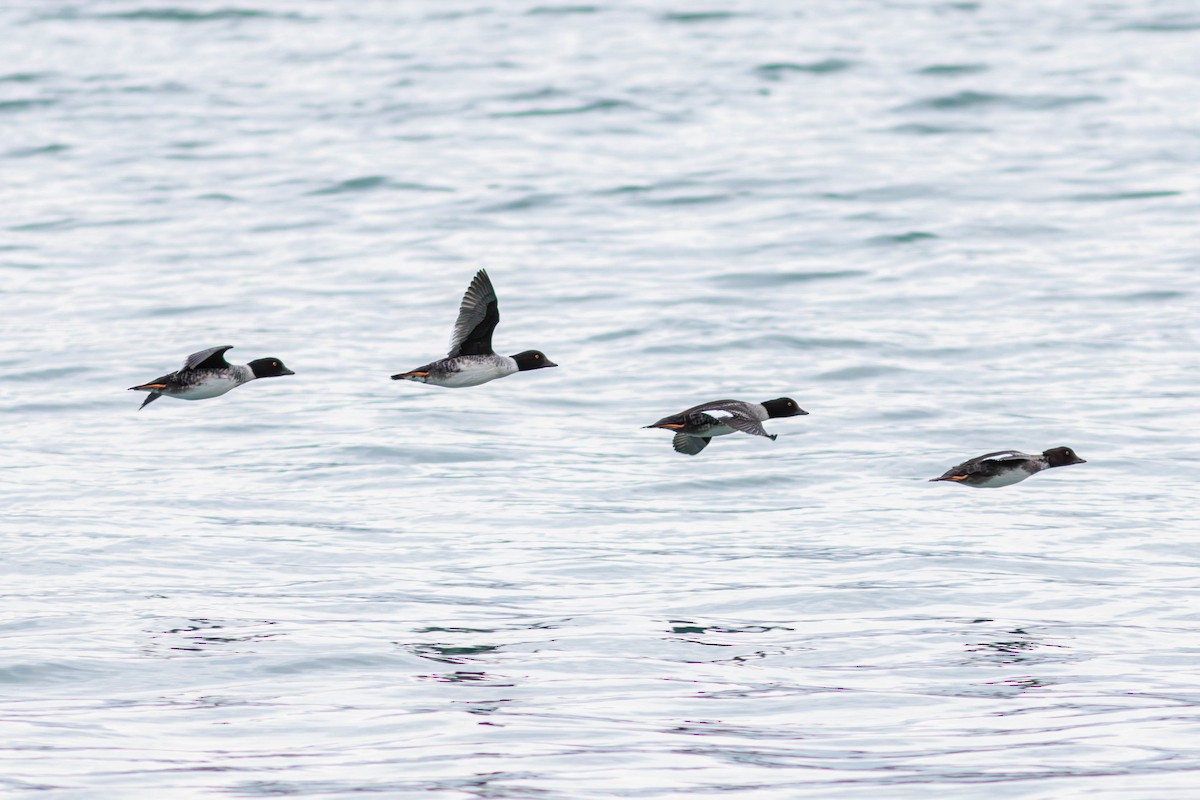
(199, 635)
(1016, 646)
(725, 635)
(464, 653)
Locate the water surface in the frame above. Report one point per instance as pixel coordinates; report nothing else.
(943, 228)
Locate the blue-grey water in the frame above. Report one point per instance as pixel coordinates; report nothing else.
(944, 228)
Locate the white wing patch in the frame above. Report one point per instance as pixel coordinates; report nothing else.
(1006, 455)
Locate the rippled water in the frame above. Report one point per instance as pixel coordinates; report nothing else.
(943, 227)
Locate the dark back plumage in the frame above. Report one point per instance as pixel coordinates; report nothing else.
(731, 406)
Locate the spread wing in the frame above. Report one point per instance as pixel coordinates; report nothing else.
(477, 318)
(689, 445)
(733, 413)
(740, 422)
(212, 358)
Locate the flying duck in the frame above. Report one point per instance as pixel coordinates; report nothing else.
(207, 374)
(471, 360)
(695, 427)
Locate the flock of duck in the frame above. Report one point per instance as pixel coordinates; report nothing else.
(472, 361)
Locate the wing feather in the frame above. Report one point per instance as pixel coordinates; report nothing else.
(981, 465)
(728, 406)
(477, 318)
(212, 358)
(740, 422)
(1003, 455)
(689, 445)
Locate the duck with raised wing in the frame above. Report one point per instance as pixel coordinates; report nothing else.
(695, 427)
(207, 374)
(1007, 467)
(471, 360)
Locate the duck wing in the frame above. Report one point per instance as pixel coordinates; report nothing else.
(212, 358)
(728, 406)
(689, 445)
(477, 318)
(988, 463)
(740, 422)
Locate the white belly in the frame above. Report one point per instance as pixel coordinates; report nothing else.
(461, 379)
(1007, 479)
(473, 374)
(203, 391)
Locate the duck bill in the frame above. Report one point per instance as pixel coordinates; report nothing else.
(671, 426)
